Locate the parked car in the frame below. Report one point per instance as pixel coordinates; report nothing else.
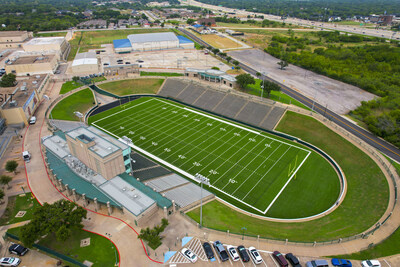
(280, 259)
(243, 253)
(18, 249)
(127, 63)
(106, 64)
(208, 250)
(341, 262)
(317, 263)
(219, 248)
(233, 253)
(293, 260)
(9, 261)
(32, 120)
(257, 259)
(189, 255)
(139, 61)
(26, 156)
(371, 263)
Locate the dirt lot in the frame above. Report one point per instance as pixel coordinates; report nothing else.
(337, 96)
(219, 41)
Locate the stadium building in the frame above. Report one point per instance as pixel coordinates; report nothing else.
(55, 45)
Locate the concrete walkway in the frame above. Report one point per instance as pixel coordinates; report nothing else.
(119, 230)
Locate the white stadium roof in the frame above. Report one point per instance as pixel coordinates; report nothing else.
(152, 37)
(85, 59)
(45, 41)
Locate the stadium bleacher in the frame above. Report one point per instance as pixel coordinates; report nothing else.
(231, 105)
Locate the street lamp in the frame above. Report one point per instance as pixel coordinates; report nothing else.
(243, 229)
(263, 85)
(315, 95)
(201, 179)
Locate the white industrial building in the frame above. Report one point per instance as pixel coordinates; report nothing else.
(153, 41)
(85, 63)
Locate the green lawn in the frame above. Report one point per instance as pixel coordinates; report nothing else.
(133, 86)
(391, 246)
(246, 168)
(101, 251)
(69, 86)
(18, 203)
(51, 34)
(255, 89)
(165, 74)
(80, 101)
(365, 202)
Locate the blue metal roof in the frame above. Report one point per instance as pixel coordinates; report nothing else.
(122, 43)
(184, 40)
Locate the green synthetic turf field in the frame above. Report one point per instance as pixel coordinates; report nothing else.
(249, 167)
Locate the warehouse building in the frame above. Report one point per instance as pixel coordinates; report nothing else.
(85, 63)
(185, 42)
(153, 41)
(122, 46)
(31, 65)
(56, 45)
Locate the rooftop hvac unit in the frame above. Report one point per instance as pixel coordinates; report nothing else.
(37, 76)
(13, 103)
(23, 88)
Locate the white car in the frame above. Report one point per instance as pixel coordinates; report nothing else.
(371, 263)
(233, 253)
(32, 120)
(257, 259)
(189, 255)
(9, 261)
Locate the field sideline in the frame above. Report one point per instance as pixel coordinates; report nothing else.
(246, 165)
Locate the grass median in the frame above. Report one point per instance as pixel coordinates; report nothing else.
(133, 86)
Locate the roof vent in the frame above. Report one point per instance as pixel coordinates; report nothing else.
(13, 103)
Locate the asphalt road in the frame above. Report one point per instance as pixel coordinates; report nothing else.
(383, 146)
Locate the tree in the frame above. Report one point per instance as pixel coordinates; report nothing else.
(56, 219)
(258, 74)
(215, 68)
(228, 58)
(271, 86)
(5, 179)
(215, 51)
(11, 166)
(235, 62)
(283, 64)
(1, 195)
(8, 80)
(245, 79)
(75, 78)
(152, 236)
(190, 21)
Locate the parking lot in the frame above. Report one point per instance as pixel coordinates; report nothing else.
(169, 59)
(195, 245)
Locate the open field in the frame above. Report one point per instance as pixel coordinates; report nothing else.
(164, 74)
(252, 169)
(80, 101)
(219, 41)
(18, 203)
(133, 86)
(365, 202)
(69, 86)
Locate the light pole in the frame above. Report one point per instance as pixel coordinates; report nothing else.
(243, 229)
(263, 74)
(201, 179)
(315, 95)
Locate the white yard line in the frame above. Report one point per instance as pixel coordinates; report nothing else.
(123, 110)
(288, 181)
(264, 174)
(265, 147)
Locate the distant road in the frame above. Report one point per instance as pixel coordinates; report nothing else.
(380, 144)
(305, 23)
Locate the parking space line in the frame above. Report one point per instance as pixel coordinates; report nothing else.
(251, 258)
(273, 260)
(215, 253)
